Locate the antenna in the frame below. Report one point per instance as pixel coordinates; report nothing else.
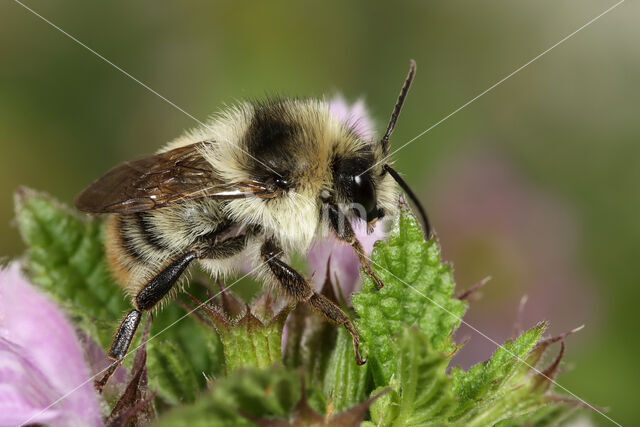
(398, 106)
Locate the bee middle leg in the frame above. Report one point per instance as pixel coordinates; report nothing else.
(297, 287)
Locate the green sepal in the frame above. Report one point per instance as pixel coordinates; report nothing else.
(248, 341)
(346, 384)
(309, 337)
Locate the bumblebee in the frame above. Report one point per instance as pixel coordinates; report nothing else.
(257, 182)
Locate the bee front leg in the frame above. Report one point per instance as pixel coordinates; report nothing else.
(297, 287)
(344, 232)
(145, 300)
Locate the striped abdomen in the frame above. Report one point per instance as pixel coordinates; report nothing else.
(139, 245)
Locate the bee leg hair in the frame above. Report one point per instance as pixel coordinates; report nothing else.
(297, 287)
(212, 249)
(344, 232)
(145, 300)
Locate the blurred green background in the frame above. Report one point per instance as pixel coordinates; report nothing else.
(535, 183)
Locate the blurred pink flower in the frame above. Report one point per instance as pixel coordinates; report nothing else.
(492, 222)
(344, 262)
(355, 116)
(40, 360)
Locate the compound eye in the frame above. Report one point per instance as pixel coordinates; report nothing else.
(364, 195)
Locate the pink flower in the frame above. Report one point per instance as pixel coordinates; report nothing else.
(344, 262)
(41, 360)
(492, 222)
(354, 116)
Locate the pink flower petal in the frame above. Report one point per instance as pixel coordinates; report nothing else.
(354, 116)
(41, 359)
(344, 262)
(18, 404)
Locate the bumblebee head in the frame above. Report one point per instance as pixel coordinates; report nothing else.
(364, 181)
(357, 188)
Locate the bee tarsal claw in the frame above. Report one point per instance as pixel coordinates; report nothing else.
(99, 384)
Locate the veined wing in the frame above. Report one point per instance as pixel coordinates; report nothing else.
(161, 180)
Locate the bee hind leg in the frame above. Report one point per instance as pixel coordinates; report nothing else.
(157, 288)
(120, 345)
(145, 300)
(297, 287)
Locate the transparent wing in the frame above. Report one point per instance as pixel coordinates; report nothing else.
(161, 180)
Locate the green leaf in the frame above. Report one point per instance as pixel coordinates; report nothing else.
(327, 361)
(421, 392)
(502, 387)
(407, 326)
(418, 291)
(200, 347)
(257, 393)
(65, 257)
